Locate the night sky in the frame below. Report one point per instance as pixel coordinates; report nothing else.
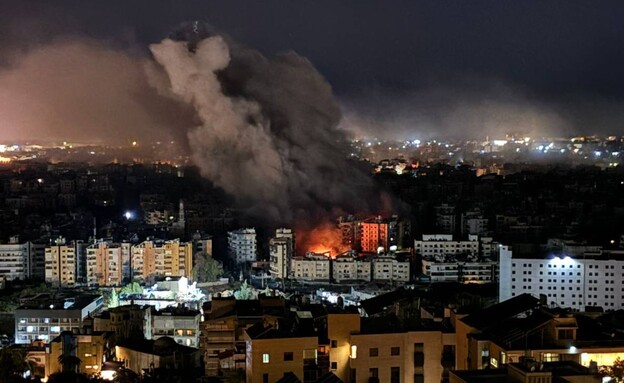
(410, 67)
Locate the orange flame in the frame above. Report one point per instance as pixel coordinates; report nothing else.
(323, 239)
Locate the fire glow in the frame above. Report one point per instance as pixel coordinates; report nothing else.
(323, 239)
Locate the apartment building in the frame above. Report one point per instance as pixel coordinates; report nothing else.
(45, 316)
(61, 262)
(401, 356)
(153, 258)
(443, 244)
(526, 327)
(374, 235)
(105, 262)
(390, 269)
(281, 251)
(349, 267)
(178, 323)
(242, 245)
(577, 281)
(315, 267)
(15, 260)
(462, 269)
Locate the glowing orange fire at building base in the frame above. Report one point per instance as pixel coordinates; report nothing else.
(323, 239)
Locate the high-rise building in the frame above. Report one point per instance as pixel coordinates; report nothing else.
(15, 260)
(374, 235)
(162, 258)
(62, 260)
(242, 245)
(350, 231)
(105, 263)
(282, 249)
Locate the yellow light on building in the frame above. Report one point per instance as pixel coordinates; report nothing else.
(353, 352)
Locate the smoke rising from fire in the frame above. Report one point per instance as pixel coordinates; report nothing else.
(268, 132)
(81, 89)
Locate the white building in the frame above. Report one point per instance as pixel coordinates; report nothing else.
(313, 267)
(15, 260)
(45, 316)
(348, 267)
(242, 245)
(443, 244)
(178, 323)
(591, 279)
(470, 269)
(388, 268)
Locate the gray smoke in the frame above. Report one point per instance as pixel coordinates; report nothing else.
(268, 132)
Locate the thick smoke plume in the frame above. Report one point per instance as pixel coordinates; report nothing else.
(268, 132)
(83, 90)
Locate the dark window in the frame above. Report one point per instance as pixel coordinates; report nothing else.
(395, 374)
(334, 343)
(374, 372)
(419, 378)
(353, 375)
(395, 351)
(373, 351)
(334, 365)
(566, 334)
(419, 355)
(288, 356)
(265, 378)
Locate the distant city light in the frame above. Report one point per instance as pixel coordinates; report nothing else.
(128, 215)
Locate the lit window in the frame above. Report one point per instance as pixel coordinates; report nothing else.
(265, 358)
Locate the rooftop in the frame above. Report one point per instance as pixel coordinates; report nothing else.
(504, 310)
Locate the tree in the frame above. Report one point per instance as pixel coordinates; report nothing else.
(206, 269)
(113, 300)
(245, 292)
(132, 288)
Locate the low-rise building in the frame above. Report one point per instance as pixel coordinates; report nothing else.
(125, 322)
(389, 268)
(525, 327)
(151, 356)
(45, 316)
(178, 323)
(313, 267)
(91, 348)
(462, 269)
(443, 244)
(349, 267)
